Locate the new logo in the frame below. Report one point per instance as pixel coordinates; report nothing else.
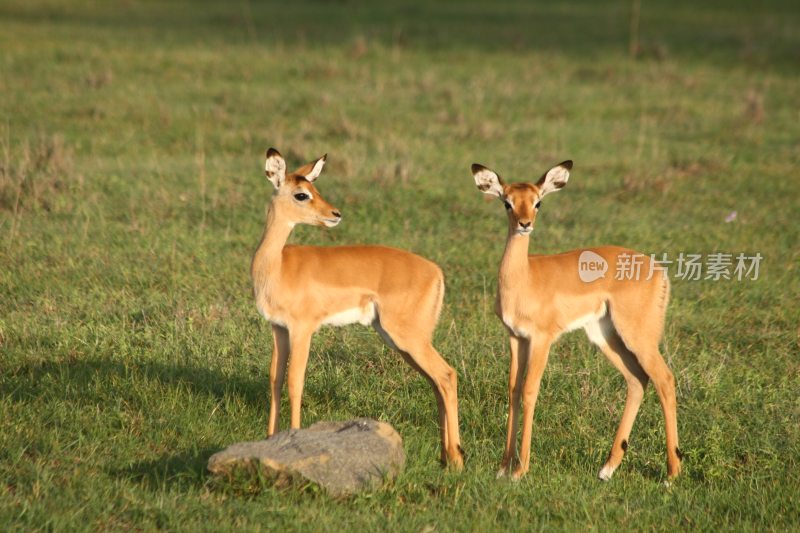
(591, 266)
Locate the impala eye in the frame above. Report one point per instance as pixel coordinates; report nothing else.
(301, 197)
(507, 204)
(538, 204)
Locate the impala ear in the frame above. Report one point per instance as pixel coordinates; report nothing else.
(311, 171)
(487, 181)
(315, 172)
(555, 178)
(275, 168)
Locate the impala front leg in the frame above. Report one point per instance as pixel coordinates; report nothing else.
(300, 342)
(277, 372)
(538, 360)
(520, 352)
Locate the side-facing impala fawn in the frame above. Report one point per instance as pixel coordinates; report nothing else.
(539, 297)
(300, 288)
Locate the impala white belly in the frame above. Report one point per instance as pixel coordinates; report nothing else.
(357, 315)
(587, 319)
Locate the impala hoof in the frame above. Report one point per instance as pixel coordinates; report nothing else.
(456, 464)
(606, 473)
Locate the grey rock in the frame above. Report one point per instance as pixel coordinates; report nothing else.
(342, 457)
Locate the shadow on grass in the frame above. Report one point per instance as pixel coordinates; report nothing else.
(98, 380)
(182, 471)
(105, 382)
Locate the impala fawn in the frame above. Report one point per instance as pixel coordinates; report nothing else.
(539, 297)
(300, 288)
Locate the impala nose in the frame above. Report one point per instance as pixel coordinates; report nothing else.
(337, 214)
(524, 225)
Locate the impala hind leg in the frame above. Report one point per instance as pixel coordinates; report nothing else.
(445, 385)
(664, 382)
(520, 352)
(603, 334)
(423, 357)
(643, 342)
(277, 372)
(440, 405)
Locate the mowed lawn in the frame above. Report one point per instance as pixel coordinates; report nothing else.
(132, 195)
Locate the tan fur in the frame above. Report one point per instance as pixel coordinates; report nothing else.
(542, 296)
(298, 287)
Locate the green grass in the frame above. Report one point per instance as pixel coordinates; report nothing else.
(132, 197)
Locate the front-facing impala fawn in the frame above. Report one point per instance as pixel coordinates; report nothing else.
(300, 288)
(539, 297)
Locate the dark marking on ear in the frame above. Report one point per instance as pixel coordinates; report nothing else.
(624, 445)
(558, 185)
(273, 152)
(477, 167)
(679, 453)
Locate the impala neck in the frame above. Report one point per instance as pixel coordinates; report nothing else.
(514, 264)
(269, 254)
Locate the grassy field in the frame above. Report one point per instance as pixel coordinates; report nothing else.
(132, 196)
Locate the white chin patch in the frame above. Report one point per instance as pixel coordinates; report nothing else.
(332, 222)
(605, 473)
(524, 231)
